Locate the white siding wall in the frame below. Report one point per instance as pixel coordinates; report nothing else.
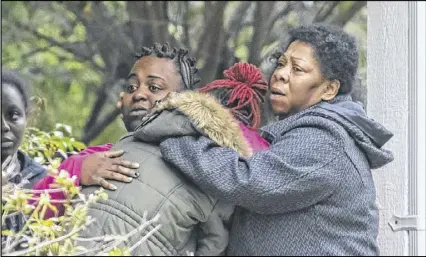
(387, 83)
(421, 122)
(396, 95)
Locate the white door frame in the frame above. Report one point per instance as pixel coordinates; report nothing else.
(396, 98)
(420, 248)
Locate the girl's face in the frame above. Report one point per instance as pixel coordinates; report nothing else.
(13, 120)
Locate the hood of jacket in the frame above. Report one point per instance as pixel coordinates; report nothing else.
(193, 113)
(368, 134)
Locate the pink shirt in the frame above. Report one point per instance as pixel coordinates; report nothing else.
(253, 137)
(73, 165)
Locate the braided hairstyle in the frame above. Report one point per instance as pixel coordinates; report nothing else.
(184, 65)
(242, 91)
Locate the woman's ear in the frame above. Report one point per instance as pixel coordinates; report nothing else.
(331, 90)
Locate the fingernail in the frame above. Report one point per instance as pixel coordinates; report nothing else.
(113, 187)
(136, 165)
(129, 179)
(136, 174)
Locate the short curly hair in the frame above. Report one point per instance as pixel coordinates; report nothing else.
(13, 78)
(335, 50)
(184, 65)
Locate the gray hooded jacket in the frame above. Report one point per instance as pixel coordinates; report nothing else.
(310, 193)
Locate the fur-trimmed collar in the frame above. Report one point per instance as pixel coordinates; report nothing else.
(191, 113)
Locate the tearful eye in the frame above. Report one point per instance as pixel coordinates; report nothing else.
(154, 88)
(131, 88)
(298, 69)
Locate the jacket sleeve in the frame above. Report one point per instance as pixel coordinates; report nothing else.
(301, 168)
(73, 166)
(214, 233)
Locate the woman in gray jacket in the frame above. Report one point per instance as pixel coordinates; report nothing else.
(191, 221)
(312, 191)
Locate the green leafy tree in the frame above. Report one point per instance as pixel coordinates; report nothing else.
(43, 146)
(77, 54)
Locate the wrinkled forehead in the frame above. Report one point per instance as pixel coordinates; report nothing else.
(300, 50)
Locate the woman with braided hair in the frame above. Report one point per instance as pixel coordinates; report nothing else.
(191, 221)
(98, 165)
(95, 164)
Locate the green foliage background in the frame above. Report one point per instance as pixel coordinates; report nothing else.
(37, 38)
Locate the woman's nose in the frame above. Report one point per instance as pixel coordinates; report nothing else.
(282, 74)
(4, 126)
(141, 94)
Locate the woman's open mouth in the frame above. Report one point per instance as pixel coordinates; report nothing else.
(277, 92)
